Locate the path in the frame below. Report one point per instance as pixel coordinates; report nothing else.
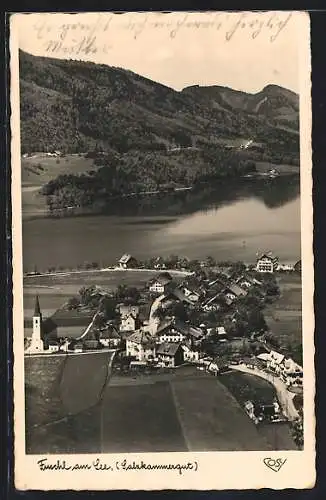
(153, 320)
(108, 269)
(284, 396)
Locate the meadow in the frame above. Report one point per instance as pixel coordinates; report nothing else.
(58, 386)
(284, 316)
(185, 410)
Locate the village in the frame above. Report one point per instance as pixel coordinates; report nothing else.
(209, 317)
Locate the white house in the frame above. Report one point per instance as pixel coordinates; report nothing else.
(160, 284)
(129, 323)
(141, 345)
(127, 261)
(266, 264)
(53, 346)
(170, 336)
(126, 309)
(110, 337)
(190, 355)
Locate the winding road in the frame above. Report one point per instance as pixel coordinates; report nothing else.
(285, 397)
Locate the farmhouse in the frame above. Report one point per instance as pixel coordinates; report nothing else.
(194, 334)
(160, 284)
(127, 262)
(185, 295)
(221, 333)
(170, 354)
(235, 291)
(126, 309)
(53, 346)
(166, 332)
(190, 355)
(140, 345)
(212, 304)
(297, 267)
(266, 264)
(130, 323)
(92, 344)
(109, 337)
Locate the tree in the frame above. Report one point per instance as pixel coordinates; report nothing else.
(108, 307)
(210, 261)
(73, 303)
(87, 294)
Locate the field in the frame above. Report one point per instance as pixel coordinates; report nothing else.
(211, 418)
(55, 290)
(58, 386)
(182, 410)
(284, 317)
(246, 387)
(40, 169)
(141, 418)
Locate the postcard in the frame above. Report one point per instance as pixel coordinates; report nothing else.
(163, 324)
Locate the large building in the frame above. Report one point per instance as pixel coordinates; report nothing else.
(160, 284)
(266, 264)
(127, 262)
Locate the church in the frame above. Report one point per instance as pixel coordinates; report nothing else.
(37, 343)
(43, 334)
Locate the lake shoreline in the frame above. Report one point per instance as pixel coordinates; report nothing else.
(102, 210)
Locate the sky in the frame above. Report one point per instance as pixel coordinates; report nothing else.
(244, 51)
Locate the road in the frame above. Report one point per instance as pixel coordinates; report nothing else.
(153, 320)
(284, 396)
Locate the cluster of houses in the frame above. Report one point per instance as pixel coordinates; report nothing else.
(161, 339)
(288, 370)
(145, 336)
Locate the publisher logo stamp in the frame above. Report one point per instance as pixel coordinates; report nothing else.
(274, 464)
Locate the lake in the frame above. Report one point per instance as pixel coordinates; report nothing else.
(228, 222)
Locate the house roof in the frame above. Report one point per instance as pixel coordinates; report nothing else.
(125, 258)
(237, 290)
(188, 330)
(164, 324)
(211, 300)
(276, 356)
(127, 308)
(179, 294)
(164, 278)
(168, 348)
(141, 337)
(37, 309)
(110, 333)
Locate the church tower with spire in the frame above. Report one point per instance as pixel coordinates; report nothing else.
(37, 344)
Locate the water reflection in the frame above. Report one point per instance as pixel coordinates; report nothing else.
(273, 193)
(231, 221)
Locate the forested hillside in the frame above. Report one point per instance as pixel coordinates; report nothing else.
(142, 134)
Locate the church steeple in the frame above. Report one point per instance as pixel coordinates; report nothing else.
(37, 344)
(37, 309)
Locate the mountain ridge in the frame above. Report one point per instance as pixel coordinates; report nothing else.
(77, 106)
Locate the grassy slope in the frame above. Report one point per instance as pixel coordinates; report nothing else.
(57, 387)
(284, 317)
(39, 169)
(180, 412)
